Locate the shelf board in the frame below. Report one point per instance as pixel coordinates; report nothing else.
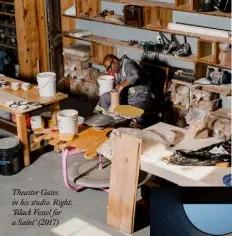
(210, 63)
(6, 13)
(221, 89)
(151, 28)
(144, 3)
(176, 81)
(7, 3)
(184, 8)
(7, 46)
(96, 19)
(7, 25)
(119, 43)
(207, 59)
(123, 44)
(8, 35)
(187, 8)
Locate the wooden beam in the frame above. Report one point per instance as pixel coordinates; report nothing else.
(43, 36)
(27, 38)
(67, 23)
(22, 135)
(124, 182)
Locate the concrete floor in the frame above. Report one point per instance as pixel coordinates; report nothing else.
(84, 217)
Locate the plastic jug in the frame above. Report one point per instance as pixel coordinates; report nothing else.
(3, 60)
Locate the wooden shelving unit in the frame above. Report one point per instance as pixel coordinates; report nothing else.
(123, 44)
(157, 28)
(179, 5)
(28, 22)
(156, 17)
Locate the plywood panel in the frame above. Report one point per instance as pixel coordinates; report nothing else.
(124, 183)
(27, 38)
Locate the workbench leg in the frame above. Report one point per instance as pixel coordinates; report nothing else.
(22, 135)
(55, 110)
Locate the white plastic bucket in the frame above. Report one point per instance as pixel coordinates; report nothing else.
(106, 83)
(68, 121)
(47, 84)
(36, 122)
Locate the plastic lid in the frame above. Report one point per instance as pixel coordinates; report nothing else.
(46, 75)
(8, 143)
(99, 120)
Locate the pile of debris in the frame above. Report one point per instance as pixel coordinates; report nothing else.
(204, 100)
(79, 77)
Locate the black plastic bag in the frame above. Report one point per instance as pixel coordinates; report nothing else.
(208, 156)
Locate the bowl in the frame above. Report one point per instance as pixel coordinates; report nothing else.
(25, 86)
(10, 103)
(23, 103)
(15, 86)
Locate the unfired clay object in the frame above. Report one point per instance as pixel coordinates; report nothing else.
(197, 119)
(222, 129)
(72, 62)
(115, 100)
(153, 141)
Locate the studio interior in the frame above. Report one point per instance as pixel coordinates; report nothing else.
(110, 108)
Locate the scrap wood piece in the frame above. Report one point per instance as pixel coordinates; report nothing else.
(54, 141)
(124, 182)
(86, 138)
(38, 139)
(91, 152)
(67, 137)
(41, 131)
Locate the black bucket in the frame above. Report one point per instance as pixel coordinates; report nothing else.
(11, 156)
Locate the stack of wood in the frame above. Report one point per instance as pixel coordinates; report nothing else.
(180, 95)
(204, 99)
(79, 77)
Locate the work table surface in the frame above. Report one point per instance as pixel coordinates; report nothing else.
(31, 95)
(183, 175)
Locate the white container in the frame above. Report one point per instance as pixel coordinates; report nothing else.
(25, 86)
(36, 122)
(15, 86)
(106, 83)
(68, 121)
(47, 84)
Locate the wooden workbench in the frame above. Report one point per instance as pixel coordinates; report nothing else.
(182, 175)
(128, 158)
(32, 95)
